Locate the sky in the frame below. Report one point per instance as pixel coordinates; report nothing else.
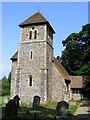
(64, 17)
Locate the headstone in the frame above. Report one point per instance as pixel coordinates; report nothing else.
(61, 109)
(36, 102)
(27, 103)
(16, 99)
(5, 100)
(12, 106)
(72, 103)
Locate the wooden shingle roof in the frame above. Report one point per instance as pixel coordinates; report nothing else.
(37, 18)
(77, 81)
(61, 69)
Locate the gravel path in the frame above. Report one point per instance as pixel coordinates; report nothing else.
(83, 111)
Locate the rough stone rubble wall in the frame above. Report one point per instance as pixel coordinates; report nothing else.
(49, 56)
(48, 84)
(13, 79)
(32, 66)
(58, 84)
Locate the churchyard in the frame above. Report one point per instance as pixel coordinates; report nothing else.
(43, 112)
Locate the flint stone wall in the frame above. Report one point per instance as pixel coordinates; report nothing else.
(28, 66)
(58, 85)
(48, 83)
(13, 79)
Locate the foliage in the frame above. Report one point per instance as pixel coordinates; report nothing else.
(76, 55)
(5, 88)
(0, 87)
(9, 77)
(4, 79)
(5, 85)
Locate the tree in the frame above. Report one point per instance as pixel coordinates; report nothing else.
(76, 55)
(4, 79)
(9, 77)
(6, 85)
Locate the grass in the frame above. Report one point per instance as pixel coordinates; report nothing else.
(0, 83)
(42, 113)
(72, 109)
(45, 112)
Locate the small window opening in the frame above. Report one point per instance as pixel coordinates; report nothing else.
(35, 34)
(30, 37)
(30, 81)
(31, 54)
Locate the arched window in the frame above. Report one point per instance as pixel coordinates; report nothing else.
(30, 80)
(30, 36)
(35, 34)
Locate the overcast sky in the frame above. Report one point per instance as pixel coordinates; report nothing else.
(65, 18)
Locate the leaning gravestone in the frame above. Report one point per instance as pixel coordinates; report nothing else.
(36, 102)
(61, 109)
(5, 100)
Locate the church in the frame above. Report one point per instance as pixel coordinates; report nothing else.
(35, 70)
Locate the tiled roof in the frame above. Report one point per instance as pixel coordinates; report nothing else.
(37, 18)
(61, 69)
(77, 81)
(15, 56)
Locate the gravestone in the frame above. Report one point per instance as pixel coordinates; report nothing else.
(72, 103)
(5, 100)
(61, 109)
(36, 102)
(16, 99)
(12, 106)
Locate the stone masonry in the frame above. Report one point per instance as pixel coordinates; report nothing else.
(34, 59)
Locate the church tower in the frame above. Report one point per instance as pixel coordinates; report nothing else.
(35, 71)
(34, 64)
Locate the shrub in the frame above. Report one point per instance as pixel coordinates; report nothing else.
(5, 88)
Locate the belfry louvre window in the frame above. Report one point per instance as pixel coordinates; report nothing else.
(30, 80)
(35, 34)
(30, 36)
